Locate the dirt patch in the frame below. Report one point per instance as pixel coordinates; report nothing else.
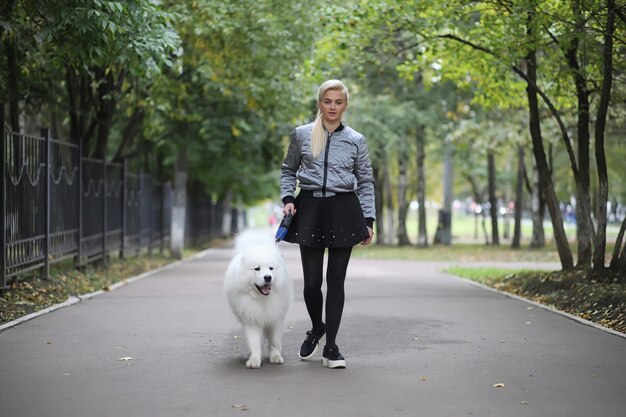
(597, 298)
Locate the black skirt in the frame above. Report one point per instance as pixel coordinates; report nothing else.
(327, 222)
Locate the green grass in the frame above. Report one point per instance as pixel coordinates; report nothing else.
(460, 252)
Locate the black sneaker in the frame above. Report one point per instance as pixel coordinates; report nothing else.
(332, 358)
(311, 343)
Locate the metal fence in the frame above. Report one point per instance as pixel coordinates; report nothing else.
(57, 205)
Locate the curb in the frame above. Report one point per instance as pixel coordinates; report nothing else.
(84, 297)
(543, 306)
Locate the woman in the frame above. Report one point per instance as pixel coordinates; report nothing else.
(334, 209)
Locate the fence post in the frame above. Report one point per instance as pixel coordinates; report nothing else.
(45, 272)
(3, 244)
(124, 203)
(104, 210)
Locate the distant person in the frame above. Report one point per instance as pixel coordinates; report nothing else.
(334, 209)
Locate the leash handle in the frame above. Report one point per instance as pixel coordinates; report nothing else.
(283, 227)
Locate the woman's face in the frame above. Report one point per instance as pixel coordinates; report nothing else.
(332, 105)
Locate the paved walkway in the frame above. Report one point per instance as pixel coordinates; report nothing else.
(418, 343)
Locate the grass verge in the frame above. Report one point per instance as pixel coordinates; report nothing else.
(602, 300)
(459, 252)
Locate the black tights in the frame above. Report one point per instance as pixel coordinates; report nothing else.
(312, 266)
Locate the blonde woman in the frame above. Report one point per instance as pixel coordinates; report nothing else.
(334, 210)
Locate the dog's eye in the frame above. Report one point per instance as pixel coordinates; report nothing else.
(258, 268)
(271, 268)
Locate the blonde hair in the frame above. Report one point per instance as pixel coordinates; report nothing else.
(318, 136)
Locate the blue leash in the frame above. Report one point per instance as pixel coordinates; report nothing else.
(283, 227)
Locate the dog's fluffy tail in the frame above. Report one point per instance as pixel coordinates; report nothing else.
(251, 237)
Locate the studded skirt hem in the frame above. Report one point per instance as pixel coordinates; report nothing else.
(327, 222)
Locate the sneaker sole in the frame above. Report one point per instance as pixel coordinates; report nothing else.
(317, 345)
(334, 364)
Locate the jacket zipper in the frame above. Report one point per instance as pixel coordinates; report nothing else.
(326, 164)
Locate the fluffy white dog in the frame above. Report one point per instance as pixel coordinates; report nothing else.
(259, 293)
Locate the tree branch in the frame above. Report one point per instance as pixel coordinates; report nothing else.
(542, 94)
(466, 42)
(620, 13)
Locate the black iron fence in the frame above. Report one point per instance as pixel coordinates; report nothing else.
(57, 205)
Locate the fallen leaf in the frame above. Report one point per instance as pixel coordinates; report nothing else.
(498, 385)
(126, 358)
(49, 342)
(423, 378)
(241, 407)
(236, 337)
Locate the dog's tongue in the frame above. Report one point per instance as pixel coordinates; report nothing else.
(265, 289)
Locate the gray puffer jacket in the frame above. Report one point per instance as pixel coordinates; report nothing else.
(344, 166)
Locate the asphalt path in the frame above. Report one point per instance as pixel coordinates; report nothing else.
(417, 341)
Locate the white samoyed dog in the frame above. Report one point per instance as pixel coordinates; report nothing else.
(259, 292)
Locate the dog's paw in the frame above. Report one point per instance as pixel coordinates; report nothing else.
(253, 363)
(276, 358)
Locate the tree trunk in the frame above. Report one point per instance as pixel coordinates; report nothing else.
(443, 235)
(179, 210)
(493, 202)
(130, 131)
(12, 73)
(547, 187)
(507, 198)
(54, 125)
(227, 219)
(618, 260)
(519, 200)
(403, 205)
(538, 239)
(422, 235)
(378, 201)
(478, 198)
(603, 182)
(583, 200)
(107, 90)
(389, 200)
(80, 110)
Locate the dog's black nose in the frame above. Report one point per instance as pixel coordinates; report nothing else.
(267, 278)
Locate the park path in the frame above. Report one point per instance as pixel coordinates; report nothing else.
(418, 342)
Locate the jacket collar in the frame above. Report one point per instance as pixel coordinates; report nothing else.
(339, 128)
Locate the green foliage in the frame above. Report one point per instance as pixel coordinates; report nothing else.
(229, 80)
(236, 94)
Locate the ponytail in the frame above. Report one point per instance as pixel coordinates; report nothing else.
(318, 136)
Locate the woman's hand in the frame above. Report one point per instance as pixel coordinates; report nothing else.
(368, 240)
(289, 208)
